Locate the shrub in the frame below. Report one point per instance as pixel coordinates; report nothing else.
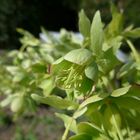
(101, 88)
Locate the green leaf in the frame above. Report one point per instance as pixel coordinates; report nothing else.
(86, 86)
(60, 64)
(18, 77)
(28, 39)
(68, 120)
(95, 98)
(7, 100)
(126, 68)
(92, 71)
(112, 119)
(134, 91)
(13, 69)
(115, 27)
(96, 34)
(138, 66)
(81, 137)
(135, 33)
(114, 43)
(134, 51)
(96, 117)
(120, 91)
(47, 85)
(54, 101)
(93, 107)
(79, 112)
(108, 61)
(79, 56)
(58, 61)
(89, 129)
(39, 68)
(128, 103)
(17, 104)
(113, 9)
(26, 63)
(84, 24)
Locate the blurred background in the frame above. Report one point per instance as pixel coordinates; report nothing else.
(52, 15)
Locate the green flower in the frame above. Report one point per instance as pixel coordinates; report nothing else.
(72, 72)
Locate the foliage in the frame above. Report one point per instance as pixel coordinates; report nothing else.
(100, 89)
(27, 15)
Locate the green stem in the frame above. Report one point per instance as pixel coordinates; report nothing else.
(127, 126)
(117, 129)
(136, 55)
(64, 137)
(107, 84)
(23, 48)
(128, 131)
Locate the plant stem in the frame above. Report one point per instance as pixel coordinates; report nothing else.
(127, 128)
(136, 55)
(23, 48)
(118, 129)
(64, 137)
